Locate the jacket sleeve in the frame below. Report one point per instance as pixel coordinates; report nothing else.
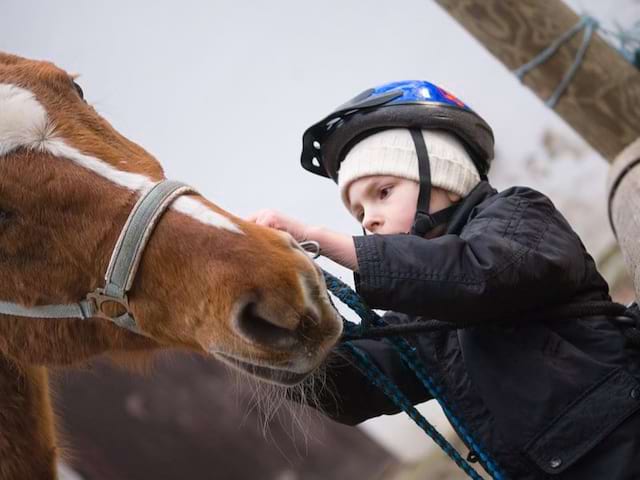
(348, 396)
(516, 254)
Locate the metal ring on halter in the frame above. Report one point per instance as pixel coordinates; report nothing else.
(312, 247)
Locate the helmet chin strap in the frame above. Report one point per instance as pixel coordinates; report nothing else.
(424, 221)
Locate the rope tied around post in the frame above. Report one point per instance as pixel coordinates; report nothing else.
(590, 25)
(629, 48)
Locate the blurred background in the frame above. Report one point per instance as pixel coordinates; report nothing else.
(220, 92)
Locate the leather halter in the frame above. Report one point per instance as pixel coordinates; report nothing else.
(122, 267)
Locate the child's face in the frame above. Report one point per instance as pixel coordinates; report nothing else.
(385, 204)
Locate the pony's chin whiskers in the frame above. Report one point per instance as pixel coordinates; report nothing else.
(288, 404)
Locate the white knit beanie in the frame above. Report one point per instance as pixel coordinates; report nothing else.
(392, 152)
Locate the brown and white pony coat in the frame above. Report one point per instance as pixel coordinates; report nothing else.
(207, 281)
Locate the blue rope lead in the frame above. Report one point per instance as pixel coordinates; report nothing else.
(381, 381)
(411, 359)
(589, 24)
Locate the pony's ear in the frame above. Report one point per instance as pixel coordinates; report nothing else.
(8, 59)
(74, 75)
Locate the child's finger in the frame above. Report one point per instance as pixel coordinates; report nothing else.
(258, 217)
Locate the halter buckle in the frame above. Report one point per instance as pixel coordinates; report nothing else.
(98, 298)
(311, 247)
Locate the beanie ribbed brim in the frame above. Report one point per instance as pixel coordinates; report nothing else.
(392, 152)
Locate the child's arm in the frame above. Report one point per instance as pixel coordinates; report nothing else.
(347, 396)
(336, 246)
(516, 254)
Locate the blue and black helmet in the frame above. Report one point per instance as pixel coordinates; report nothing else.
(412, 104)
(415, 105)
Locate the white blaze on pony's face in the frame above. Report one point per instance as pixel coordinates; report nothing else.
(24, 123)
(207, 280)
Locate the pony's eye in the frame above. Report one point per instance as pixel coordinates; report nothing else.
(5, 216)
(79, 90)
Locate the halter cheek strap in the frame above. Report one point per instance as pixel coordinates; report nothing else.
(122, 267)
(127, 253)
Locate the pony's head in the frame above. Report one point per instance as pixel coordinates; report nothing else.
(207, 280)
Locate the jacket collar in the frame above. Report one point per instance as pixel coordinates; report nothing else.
(481, 192)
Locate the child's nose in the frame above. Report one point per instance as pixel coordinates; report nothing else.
(372, 224)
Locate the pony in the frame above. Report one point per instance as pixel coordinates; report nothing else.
(199, 277)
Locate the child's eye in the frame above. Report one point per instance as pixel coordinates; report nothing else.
(384, 192)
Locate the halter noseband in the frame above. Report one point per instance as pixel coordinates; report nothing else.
(122, 267)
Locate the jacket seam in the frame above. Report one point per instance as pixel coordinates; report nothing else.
(517, 256)
(513, 222)
(379, 273)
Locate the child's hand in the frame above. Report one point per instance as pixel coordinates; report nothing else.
(274, 219)
(336, 246)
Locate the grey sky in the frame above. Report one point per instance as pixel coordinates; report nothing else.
(221, 92)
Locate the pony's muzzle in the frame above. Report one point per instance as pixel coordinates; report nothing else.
(260, 329)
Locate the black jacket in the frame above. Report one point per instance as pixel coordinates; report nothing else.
(547, 399)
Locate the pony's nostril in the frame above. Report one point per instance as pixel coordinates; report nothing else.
(258, 329)
(310, 319)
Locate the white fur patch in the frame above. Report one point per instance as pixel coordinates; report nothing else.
(24, 123)
(196, 209)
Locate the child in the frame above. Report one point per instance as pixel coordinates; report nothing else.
(550, 398)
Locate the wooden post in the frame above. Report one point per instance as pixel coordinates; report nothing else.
(624, 207)
(602, 103)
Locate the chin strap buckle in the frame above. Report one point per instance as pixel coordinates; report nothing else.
(422, 224)
(425, 222)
